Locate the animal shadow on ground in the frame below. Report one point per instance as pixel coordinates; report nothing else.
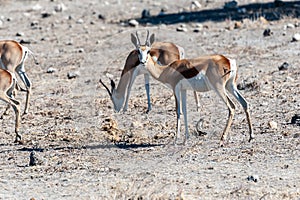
(271, 11)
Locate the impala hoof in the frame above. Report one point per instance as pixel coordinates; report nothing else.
(18, 139)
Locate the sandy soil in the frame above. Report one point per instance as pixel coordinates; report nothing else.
(85, 150)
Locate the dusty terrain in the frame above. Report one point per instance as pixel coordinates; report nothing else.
(85, 150)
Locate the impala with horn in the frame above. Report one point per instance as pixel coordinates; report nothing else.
(164, 52)
(201, 74)
(12, 58)
(7, 86)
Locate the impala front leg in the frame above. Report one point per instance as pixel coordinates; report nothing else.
(183, 101)
(177, 99)
(147, 87)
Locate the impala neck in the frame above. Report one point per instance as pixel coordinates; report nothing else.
(154, 68)
(122, 85)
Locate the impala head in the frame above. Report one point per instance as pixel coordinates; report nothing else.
(143, 50)
(116, 99)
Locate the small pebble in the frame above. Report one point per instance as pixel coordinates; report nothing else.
(273, 125)
(79, 21)
(181, 28)
(253, 178)
(19, 34)
(60, 7)
(296, 37)
(51, 70)
(195, 5)
(133, 23)
(290, 26)
(284, 66)
(72, 75)
(80, 50)
(267, 32)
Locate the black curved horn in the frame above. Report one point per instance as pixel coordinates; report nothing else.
(109, 92)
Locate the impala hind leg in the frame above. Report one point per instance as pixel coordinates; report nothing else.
(27, 84)
(234, 91)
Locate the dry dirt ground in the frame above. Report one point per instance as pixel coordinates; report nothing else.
(85, 150)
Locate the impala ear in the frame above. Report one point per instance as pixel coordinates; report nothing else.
(134, 40)
(151, 40)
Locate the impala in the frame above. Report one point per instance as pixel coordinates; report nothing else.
(205, 73)
(7, 85)
(12, 58)
(165, 53)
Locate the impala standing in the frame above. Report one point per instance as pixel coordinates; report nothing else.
(215, 72)
(165, 53)
(12, 58)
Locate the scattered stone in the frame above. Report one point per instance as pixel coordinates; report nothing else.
(25, 41)
(146, 13)
(253, 178)
(296, 119)
(102, 17)
(248, 85)
(263, 20)
(18, 34)
(79, 21)
(231, 5)
(198, 27)
(72, 75)
(290, 26)
(51, 70)
(133, 23)
(273, 125)
(296, 37)
(267, 32)
(284, 66)
(238, 25)
(195, 5)
(37, 7)
(60, 7)
(45, 15)
(34, 24)
(80, 50)
(181, 28)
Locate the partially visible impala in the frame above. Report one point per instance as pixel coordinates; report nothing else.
(12, 58)
(205, 73)
(164, 52)
(7, 85)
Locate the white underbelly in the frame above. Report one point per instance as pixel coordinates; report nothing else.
(198, 83)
